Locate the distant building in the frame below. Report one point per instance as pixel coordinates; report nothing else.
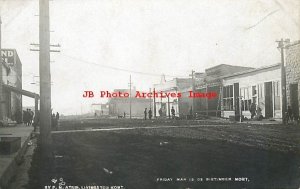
(119, 106)
(293, 76)
(100, 109)
(261, 86)
(181, 105)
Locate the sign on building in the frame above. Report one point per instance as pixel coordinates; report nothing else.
(8, 56)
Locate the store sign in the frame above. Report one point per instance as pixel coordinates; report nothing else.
(8, 56)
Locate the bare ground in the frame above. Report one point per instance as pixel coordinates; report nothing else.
(267, 155)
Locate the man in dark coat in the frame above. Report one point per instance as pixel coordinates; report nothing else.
(150, 113)
(173, 112)
(57, 116)
(289, 114)
(252, 110)
(145, 113)
(160, 112)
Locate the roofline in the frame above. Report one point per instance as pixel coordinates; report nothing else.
(253, 70)
(226, 65)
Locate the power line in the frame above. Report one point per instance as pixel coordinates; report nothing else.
(265, 17)
(119, 69)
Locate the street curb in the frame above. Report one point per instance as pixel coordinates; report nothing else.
(11, 170)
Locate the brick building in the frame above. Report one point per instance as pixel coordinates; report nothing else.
(293, 76)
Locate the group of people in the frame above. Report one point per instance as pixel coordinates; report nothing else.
(160, 112)
(149, 113)
(28, 117)
(255, 112)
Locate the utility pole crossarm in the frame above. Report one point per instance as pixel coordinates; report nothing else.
(36, 47)
(54, 45)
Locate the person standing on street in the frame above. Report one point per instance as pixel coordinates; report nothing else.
(289, 114)
(252, 110)
(160, 112)
(145, 113)
(150, 113)
(57, 116)
(54, 122)
(173, 112)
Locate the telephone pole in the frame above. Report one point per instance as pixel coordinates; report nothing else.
(130, 83)
(150, 99)
(283, 80)
(154, 103)
(45, 76)
(1, 86)
(193, 89)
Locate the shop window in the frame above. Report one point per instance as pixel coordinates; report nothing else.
(254, 92)
(246, 100)
(260, 91)
(228, 97)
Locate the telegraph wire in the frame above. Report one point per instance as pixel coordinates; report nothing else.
(121, 69)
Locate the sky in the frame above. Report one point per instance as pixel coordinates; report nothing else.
(103, 42)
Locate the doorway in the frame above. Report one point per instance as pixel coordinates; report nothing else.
(236, 95)
(294, 99)
(268, 100)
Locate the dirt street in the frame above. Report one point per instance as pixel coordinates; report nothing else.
(194, 154)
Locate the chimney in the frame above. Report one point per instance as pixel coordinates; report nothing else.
(163, 78)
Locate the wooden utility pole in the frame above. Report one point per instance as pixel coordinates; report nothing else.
(1, 86)
(154, 103)
(193, 89)
(169, 107)
(150, 104)
(45, 76)
(130, 83)
(283, 80)
(240, 106)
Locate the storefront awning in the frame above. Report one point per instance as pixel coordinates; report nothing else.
(21, 91)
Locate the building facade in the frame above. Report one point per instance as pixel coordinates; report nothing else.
(261, 86)
(100, 109)
(212, 82)
(11, 77)
(181, 104)
(293, 77)
(121, 106)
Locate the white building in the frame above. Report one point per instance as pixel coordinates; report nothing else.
(261, 86)
(181, 104)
